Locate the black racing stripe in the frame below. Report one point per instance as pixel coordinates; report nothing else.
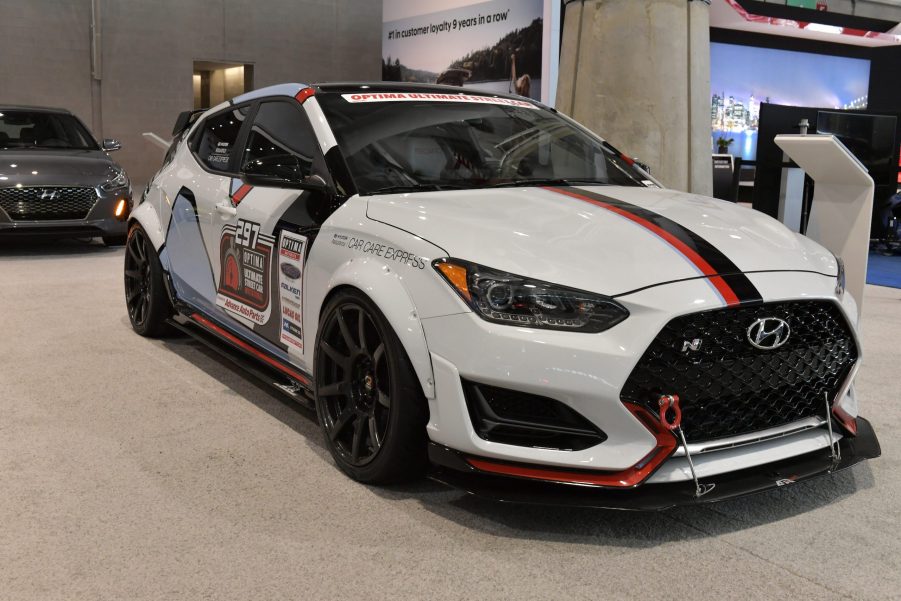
(744, 289)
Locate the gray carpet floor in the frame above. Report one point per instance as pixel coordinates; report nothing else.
(141, 469)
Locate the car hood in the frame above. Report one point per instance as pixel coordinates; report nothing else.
(54, 167)
(551, 236)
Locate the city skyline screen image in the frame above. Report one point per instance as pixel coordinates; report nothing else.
(742, 77)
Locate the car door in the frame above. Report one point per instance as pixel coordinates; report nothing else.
(262, 251)
(201, 206)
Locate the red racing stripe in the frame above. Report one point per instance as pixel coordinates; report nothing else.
(203, 321)
(304, 94)
(729, 295)
(240, 193)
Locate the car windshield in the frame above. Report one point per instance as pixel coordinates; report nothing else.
(42, 129)
(428, 141)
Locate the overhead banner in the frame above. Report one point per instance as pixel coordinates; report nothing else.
(496, 46)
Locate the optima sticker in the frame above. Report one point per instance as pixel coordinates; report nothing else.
(432, 97)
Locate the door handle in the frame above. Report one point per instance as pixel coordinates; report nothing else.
(226, 210)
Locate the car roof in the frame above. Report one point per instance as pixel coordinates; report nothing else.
(39, 109)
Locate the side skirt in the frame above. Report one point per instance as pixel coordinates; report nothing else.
(249, 359)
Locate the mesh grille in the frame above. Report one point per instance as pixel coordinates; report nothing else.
(728, 387)
(37, 203)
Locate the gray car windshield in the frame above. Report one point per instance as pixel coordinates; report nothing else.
(432, 145)
(42, 129)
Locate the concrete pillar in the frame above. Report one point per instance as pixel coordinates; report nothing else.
(638, 73)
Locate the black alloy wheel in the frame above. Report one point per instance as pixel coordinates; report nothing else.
(369, 401)
(146, 300)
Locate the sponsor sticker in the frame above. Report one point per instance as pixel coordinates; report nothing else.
(434, 97)
(387, 252)
(245, 259)
(291, 248)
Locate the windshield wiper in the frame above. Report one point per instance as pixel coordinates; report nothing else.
(548, 181)
(418, 188)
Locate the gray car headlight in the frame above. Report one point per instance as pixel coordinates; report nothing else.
(118, 180)
(501, 297)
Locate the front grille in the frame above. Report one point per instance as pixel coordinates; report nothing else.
(727, 386)
(50, 203)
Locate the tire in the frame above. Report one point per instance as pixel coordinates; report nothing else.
(370, 405)
(145, 294)
(115, 240)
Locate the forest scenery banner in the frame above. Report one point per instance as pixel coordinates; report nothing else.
(493, 46)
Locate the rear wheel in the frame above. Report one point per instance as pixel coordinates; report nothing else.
(145, 297)
(370, 405)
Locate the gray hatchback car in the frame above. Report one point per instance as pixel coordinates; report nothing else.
(56, 179)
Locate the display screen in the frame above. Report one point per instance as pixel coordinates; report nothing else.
(870, 137)
(742, 77)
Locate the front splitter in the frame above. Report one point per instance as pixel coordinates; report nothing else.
(450, 467)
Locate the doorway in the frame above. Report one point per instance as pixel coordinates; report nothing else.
(216, 82)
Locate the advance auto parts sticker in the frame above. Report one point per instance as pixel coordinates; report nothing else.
(291, 249)
(245, 257)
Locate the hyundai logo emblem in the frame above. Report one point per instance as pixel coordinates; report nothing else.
(48, 194)
(769, 333)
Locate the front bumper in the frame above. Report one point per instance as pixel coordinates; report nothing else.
(99, 221)
(450, 467)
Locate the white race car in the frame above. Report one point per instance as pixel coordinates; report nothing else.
(474, 286)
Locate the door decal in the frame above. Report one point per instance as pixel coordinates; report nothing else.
(245, 255)
(291, 248)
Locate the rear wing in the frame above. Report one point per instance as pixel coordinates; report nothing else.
(185, 119)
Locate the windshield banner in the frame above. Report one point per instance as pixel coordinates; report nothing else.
(431, 97)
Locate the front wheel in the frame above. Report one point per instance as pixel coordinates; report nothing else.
(145, 297)
(369, 401)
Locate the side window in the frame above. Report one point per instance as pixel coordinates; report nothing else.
(281, 130)
(215, 145)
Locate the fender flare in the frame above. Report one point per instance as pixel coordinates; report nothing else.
(150, 221)
(382, 284)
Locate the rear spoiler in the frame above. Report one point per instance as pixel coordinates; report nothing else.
(184, 120)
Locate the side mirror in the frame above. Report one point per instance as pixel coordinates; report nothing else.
(282, 171)
(110, 144)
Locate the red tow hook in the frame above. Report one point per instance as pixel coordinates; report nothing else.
(671, 401)
(667, 402)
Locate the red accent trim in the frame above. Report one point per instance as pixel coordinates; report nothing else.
(689, 253)
(252, 350)
(629, 160)
(240, 193)
(790, 24)
(304, 94)
(635, 475)
(848, 423)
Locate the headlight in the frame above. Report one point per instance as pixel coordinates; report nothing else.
(118, 180)
(501, 297)
(840, 278)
